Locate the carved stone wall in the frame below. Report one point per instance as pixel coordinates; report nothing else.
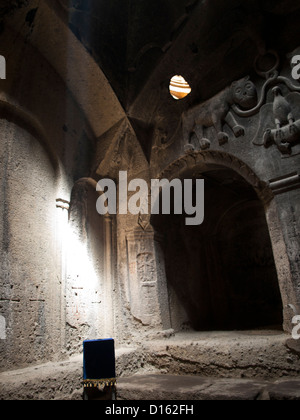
(252, 128)
(77, 107)
(45, 146)
(147, 283)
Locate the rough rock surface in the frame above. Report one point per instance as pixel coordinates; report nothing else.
(185, 366)
(188, 388)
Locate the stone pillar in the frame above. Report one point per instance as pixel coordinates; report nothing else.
(149, 301)
(63, 207)
(109, 278)
(283, 216)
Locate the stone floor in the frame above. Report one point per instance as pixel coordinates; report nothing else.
(246, 365)
(188, 388)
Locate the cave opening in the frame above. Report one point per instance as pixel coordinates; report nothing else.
(222, 275)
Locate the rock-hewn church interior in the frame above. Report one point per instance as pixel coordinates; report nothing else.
(163, 91)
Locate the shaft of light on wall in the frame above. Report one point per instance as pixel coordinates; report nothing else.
(80, 264)
(80, 268)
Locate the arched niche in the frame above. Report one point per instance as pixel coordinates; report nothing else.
(222, 274)
(89, 285)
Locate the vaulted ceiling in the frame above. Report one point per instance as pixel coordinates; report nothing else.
(210, 42)
(140, 44)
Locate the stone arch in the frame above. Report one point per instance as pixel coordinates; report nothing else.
(205, 159)
(249, 195)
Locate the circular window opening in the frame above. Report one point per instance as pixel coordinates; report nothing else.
(179, 87)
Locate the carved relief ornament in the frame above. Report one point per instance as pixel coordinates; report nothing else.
(276, 106)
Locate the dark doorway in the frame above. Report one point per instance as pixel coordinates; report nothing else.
(223, 272)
